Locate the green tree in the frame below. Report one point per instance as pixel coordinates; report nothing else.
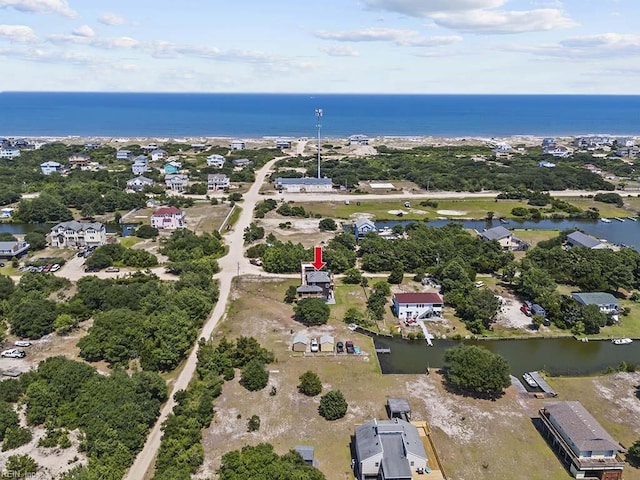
(478, 309)
(397, 274)
(634, 451)
(312, 311)
(476, 370)
(146, 231)
(352, 276)
(33, 317)
(99, 259)
(20, 466)
(253, 425)
(16, 437)
(327, 224)
(353, 315)
(537, 320)
(36, 240)
(64, 323)
(291, 294)
(254, 376)
(310, 384)
(536, 282)
(333, 405)
(6, 287)
(8, 419)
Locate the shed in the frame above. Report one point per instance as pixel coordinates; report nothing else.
(579, 239)
(326, 343)
(307, 453)
(300, 343)
(537, 310)
(398, 408)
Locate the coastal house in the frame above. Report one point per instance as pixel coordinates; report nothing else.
(48, 168)
(140, 165)
(78, 234)
(362, 226)
(558, 151)
(546, 164)
(91, 146)
(388, 449)
(357, 140)
(216, 181)
(158, 154)
(417, 305)
(605, 301)
(6, 212)
(579, 239)
(237, 145)
(506, 239)
(176, 183)
(301, 185)
(34, 145)
(215, 160)
(326, 343)
(300, 343)
(198, 147)
(283, 143)
(124, 155)
(592, 168)
(626, 142)
(627, 152)
(580, 442)
(168, 218)
(79, 160)
(13, 249)
(9, 152)
(172, 168)
(240, 162)
(150, 147)
(548, 142)
(139, 183)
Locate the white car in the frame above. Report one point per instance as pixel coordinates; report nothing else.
(315, 347)
(13, 353)
(22, 343)
(479, 284)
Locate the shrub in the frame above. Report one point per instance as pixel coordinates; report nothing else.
(16, 437)
(253, 425)
(327, 224)
(333, 405)
(310, 384)
(254, 375)
(312, 311)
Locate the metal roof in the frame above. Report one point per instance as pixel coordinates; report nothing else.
(306, 452)
(300, 338)
(326, 339)
(304, 181)
(318, 277)
(78, 226)
(595, 298)
(398, 405)
(309, 289)
(424, 297)
(496, 233)
(581, 240)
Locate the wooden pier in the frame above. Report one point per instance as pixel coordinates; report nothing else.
(427, 336)
(548, 391)
(383, 350)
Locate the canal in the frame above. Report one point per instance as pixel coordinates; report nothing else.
(557, 356)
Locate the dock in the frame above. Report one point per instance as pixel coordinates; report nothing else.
(548, 391)
(427, 336)
(383, 350)
(517, 384)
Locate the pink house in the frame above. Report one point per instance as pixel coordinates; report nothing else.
(168, 218)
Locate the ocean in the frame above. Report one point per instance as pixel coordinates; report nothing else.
(260, 115)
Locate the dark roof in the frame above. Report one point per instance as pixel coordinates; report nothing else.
(496, 233)
(398, 405)
(392, 438)
(168, 211)
(77, 226)
(581, 428)
(582, 240)
(424, 297)
(309, 289)
(318, 277)
(595, 298)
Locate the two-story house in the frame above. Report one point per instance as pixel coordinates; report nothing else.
(417, 305)
(48, 168)
(176, 183)
(168, 218)
(14, 249)
(138, 184)
(9, 152)
(237, 145)
(124, 155)
(172, 168)
(215, 160)
(79, 160)
(78, 234)
(216, 181)
(158, 154)
(140, 165)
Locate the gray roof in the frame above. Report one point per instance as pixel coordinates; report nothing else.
(309, 289)
(217, 177)
(300, 338)
(496, 233)
(582, 429)
(12, 246)
(398, 405)
(318, 277)
(77, 226)
(364, 221)
(392, 438)
(304, 181)
(305, 451)
(140, 179)
(582, 240)
(595, 298)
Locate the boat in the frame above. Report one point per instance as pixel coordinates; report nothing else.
(618, 219)
(529, 379)
(633, 219)
(584, 339)
(605, 220)
(621, 341)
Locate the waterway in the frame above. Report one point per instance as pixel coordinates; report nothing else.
(620, 233)
(557, 356)
(22, 228)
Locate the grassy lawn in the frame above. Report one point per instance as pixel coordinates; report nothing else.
(628, 326)
(204, 217)
(474, 438)
(532, 237)
(129, 242)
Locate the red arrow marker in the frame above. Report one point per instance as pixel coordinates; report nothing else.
(317, 258)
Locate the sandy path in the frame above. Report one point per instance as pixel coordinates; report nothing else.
(230, 265)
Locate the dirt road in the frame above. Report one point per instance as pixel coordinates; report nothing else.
(229, 267)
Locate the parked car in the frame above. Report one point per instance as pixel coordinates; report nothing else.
(55, 267)
(91, 269)
(13, 353)
(349, 346)
(256, 261)
(339, 347)
(479, 284)
(47, 268)
(315, 346)
(112, 269)
(22, 343)
(524, 309)
(1, 264)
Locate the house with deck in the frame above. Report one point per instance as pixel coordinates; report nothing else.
(506, 239)
(79, 160)
(362, 226)
(388, 449)
(357, 140)
(124, 155)
(140, 165)
(158, 154)
(237, 145)
(302, 185)
(283, 143)
(605, 301)
(217, 181)
(14, 249)
(176, 183)
(168, 218)
(215, 160)
(558, 151)
(74, 234)
(49, 168)
(422, 305)
(172, 168)
(139, 183)
(240, 162)
(580, 442)
(9, 152)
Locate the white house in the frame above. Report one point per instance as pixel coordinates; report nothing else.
(605, 301)
(217, 181)
(9, 152)
(389, 449)
(502, 235)
(297, 185)
(417, 305)
(124, 155)
(140, 166)
(215, 160)
(176, 183)
(358, 140)
(78, 234)
(138, 183)
(283, 143)
(13, 249)
(238, 145)
(158, 154)
(545, 164)
(362, 226)
(557, 151)
(48, 168)
(168, 218)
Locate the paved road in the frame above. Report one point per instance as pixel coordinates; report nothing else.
(228, 269)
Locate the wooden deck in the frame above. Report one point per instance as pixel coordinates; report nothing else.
(436, 472)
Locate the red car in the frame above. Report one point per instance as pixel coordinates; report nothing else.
(524, 309)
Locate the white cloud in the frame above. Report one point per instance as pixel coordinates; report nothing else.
(104, 43)
(84, 31)
(61, 7)
(18, 33)
(606, 45)
(436, 41)
(367, 35)
(111, 19)
(423, 8)
(49, 56)
(341, 51)
(486, 21)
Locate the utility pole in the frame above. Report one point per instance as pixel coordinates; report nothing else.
(318, 117)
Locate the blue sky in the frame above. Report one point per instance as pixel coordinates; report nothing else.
(328, 46)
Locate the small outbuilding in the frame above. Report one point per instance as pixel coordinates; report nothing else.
(399, 408)
(307, 453)
(326, 343)
(300, 343)
(579, 239)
